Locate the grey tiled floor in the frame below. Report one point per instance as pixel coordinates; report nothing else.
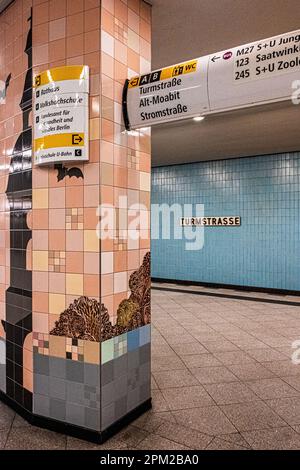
(222, 379)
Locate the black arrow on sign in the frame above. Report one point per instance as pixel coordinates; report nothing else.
(76, 139)
(215, 58)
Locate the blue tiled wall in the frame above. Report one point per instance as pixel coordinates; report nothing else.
(264, 251)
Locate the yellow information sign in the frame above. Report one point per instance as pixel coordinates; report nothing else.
(164, 74)
(58, 74)
(59, 140)
(169, 94)
(61, 116)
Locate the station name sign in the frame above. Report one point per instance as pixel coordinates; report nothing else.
(257, 73)
(61, 103)
(215, 221)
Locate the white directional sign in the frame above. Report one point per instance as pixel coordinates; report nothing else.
(254, 74)
(169, 94)
(61, 115)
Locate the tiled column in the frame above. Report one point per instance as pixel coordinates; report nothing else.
(125, 182)
(86, 351)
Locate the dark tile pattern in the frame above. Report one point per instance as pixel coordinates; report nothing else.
(18, 319)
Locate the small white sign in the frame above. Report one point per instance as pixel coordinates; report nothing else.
(61, 130)
(255, 73)
(211, 221)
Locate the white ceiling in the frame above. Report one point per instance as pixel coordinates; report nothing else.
(183, 29)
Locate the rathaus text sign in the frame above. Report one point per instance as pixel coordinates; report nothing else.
(61, 124)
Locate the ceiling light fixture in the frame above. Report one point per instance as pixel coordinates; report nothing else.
(198, 118)
(133, 133)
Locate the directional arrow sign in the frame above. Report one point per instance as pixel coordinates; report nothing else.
(253, 74)
(257, 73)
(172, 93)
(59, 140)
(76, 139)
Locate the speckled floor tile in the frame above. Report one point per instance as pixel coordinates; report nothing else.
(287, 408)
(220, 444)
(252, 416)
(272, 388)
(211, 375)
(155, 442)
(209, 420)
(185, 436)
(182, 378)
(186, 397)
(6, 417)
(3, 438)
(35, 439)
(229, 393)
(193, 361)
(283, 438)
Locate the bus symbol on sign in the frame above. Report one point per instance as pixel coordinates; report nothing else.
(227, 55)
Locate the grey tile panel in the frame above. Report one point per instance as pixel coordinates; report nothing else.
(41, 364)
(133, 359)
(121, 407)
(57, 388)
(108, 416)
(58, 409)
(75, 414)
(75, 371)
(41, 384)
(67, 391)
(70, 391)
(126, 383)
(107, 395)
(91, 375)
(91, 418)
(57, 367)
(75, 393)
(41, 405)
(107, 373)
(144, 353)
(120, 366)
(133, 397)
